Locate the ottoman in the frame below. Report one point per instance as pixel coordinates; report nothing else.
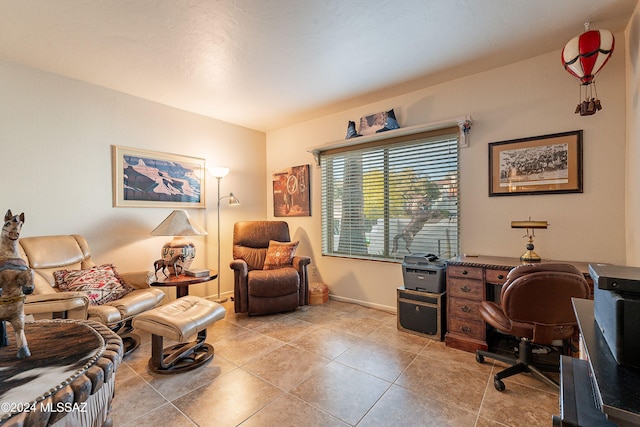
(180, 320)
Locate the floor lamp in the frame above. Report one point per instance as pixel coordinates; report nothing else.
(220, 173)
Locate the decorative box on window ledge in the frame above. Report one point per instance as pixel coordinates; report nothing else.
(318, 294)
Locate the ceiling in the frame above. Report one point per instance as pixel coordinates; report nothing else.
(264, 64)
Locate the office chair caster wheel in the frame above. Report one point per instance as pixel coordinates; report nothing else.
(498, 384)
(479, 358)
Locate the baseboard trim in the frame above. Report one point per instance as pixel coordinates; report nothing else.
(392, 310)
(228, 295)
(388, 309)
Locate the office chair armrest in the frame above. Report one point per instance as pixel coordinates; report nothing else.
(493, 314)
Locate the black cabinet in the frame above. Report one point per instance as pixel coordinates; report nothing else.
(421, 313)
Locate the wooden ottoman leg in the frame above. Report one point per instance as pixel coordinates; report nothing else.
(180, 357)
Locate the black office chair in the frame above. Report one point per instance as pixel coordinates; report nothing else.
(535, 306)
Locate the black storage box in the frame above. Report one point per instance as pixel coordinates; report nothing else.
(421, 313)
(422, 272)
(617, 314)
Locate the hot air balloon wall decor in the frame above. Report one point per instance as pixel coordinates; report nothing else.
(583, 56)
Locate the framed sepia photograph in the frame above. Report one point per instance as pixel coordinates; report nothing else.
(291, 195)
(544, 164)
(152, 179)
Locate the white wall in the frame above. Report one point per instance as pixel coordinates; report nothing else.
(533, 97)
(632, 35)
(56, 135)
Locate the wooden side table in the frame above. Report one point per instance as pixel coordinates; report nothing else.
(182, 282)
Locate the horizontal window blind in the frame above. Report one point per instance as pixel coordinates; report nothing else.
(391, 198)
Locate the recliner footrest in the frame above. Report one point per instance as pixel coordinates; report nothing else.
(180, 320)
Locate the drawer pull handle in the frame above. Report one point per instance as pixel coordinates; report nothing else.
(465, 329)
(465, 272)
(466, 309)
(466, 289)
(500, 276)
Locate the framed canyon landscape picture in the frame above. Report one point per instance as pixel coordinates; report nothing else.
(152, 179)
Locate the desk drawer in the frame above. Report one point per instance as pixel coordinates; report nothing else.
(468, 328)
(497, 277)
(465, 272)
(465, 308)
(468, 289)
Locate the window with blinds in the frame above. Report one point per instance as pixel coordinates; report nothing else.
(386, 199)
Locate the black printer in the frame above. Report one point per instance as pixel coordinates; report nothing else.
(424, 272)
(617, 310)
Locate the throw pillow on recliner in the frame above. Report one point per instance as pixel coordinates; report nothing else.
(101, 284)
(280, 254)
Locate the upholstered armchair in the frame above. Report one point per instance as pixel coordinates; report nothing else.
(280, 284)
(50, 255)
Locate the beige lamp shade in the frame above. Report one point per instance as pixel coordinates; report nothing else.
(178, 224)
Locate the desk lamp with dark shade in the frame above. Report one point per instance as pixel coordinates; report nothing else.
(219, 173)
(531, 226)
(178, 224)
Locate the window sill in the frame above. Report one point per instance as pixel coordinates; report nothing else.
(463, 123)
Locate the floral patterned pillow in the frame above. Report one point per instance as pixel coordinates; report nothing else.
(279, 254)
(101, 284)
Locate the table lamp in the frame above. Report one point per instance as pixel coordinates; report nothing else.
(529, 255)
(179, 224)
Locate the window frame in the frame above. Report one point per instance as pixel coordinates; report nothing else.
(451, 133)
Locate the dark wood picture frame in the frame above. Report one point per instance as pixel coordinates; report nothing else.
(547, 164)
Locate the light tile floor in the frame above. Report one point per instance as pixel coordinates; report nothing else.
(335, 364)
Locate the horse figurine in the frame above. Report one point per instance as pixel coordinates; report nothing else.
(171, 262)
(16, 281)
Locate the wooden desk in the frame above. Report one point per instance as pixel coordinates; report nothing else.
(471, 280)
(182, 282)
(68, 379)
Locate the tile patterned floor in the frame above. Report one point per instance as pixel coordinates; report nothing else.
(335, 364)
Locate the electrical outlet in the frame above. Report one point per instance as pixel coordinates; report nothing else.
(314, 271)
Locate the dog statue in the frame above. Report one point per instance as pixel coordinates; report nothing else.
(16, 281)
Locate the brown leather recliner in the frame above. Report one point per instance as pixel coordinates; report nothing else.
(535, 306)
(47, 254)
(259, 291)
